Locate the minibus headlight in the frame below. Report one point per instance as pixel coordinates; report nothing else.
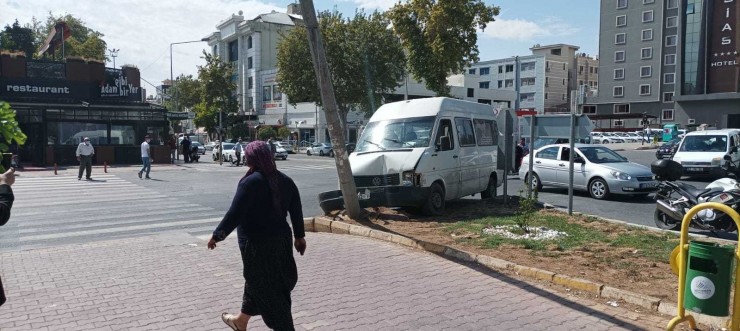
(407, 178)
(716, 161)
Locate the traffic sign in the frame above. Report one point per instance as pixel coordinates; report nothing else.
(557, 126)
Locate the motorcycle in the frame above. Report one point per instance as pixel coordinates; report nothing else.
(194, 156)
(674, 199)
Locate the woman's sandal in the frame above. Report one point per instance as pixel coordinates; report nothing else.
(230, 320)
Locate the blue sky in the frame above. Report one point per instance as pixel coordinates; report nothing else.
(143, 29)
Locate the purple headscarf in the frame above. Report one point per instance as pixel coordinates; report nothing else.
(259, 158)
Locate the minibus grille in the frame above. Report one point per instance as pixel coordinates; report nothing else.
(379, 180)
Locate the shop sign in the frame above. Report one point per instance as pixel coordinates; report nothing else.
(116, 85)
(723, 47)
(177, 115)
(41, 88)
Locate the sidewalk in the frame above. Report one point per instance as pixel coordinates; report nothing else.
(172, 282)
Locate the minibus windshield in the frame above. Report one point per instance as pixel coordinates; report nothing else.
(396, 134)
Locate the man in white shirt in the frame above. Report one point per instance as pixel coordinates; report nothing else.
(145, 157)
(85, 152)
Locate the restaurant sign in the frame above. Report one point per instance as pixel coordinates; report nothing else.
(117, 86)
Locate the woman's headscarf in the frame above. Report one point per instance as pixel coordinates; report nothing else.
(260, 158)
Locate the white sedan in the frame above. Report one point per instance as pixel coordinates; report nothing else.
(320, 149)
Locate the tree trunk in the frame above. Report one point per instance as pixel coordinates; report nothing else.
(333, 121)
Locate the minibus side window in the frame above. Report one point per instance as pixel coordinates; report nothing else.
(465, 131)
(445, 130)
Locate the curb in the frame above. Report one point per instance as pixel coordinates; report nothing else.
(327, 225)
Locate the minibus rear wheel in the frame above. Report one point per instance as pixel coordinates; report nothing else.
(490, 191)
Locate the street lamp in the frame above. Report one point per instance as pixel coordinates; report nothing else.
(172, 79)
(114, 53)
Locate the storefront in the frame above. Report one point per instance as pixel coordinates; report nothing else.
(59, 103)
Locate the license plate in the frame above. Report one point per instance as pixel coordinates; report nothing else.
(648, 185)
(364, 195)
(695, 169)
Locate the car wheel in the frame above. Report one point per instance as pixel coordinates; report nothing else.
(285, 158)
(598, 189)
(604, 142)
(308, 152)
(663, 222)
(536, 183)
(321, 153)
(435, 204)
(490, 191)
(331, 153)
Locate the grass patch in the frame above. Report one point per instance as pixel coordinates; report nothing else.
(582, 232)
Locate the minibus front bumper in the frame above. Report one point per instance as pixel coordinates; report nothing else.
(388, 196)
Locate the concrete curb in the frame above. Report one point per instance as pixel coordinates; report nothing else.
(327, 225)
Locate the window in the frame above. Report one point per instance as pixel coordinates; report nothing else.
(646, 71)
(485, 133)
(72, 133)
(122, 135)
(645, 2)
(618, 123)
(485, 101)
(277, 95)
(465, 133)
(671, 40)
(667, 96)
(266, 93)
(623, 108)
(580, 69)
(556, 51)
(509, 83)
(619, 73)
(670, 59)
(667, 115)
(689, 8)
(669, 78)
(509, 68)
(550, 153)
(672, 4)
(563, 66)
(485, 71)
(250, 63)
(249, 42)
(484, 84)
(580, 82)
(528, 81)
(619, 56)
(250, 104)
(646, 53)
(501, 69)
(647, 34)
(563, 96)
(547, 81)
(589, 109)
(591, 69)
(234, 51)
(645, 89)
(563, 81)
(250, 83)
(618, 91)
(647, 16)
(621, 4)
(445, 130)
(545, 96)
(620, 38)
(527, 66)
(471, 71)
(215, 50)
(671, 22)
(471, 92)
(500, 84)
(596, 70)
(621, 20)
(526, 96)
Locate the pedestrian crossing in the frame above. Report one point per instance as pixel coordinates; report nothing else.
(58, 210)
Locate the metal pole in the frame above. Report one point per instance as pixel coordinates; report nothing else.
(221, 140)
(517, 84)
(530, 173)
(570, 160)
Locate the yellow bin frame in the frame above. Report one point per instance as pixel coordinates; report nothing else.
(682, 257)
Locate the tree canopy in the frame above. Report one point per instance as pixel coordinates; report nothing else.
(185, 92)
(216, 92)
(17, 38)
(365, 58)
(440, 36)
(10, 131)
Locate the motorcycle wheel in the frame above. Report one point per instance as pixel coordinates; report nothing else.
(663, 222)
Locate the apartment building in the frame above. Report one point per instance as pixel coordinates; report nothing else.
(674, 61)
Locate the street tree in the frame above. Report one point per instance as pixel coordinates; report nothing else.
(10, 131)
(185, 93)
(266, 132)
(216, 92)
(440, 37)
(17, 38)
(283, 133)
(366, 61)
(84, 41)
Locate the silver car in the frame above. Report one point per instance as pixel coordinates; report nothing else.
(597, 169)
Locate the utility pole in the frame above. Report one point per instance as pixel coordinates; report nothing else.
(323, 76)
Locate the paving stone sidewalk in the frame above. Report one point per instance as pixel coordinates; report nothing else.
(172, 282)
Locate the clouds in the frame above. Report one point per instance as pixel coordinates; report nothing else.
(142, 29)
(375, 4)
(524, 30)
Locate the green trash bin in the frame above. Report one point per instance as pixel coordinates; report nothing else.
(708, 276)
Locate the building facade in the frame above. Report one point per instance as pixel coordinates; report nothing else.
(673, 60)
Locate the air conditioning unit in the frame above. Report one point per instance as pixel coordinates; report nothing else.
(692, 121)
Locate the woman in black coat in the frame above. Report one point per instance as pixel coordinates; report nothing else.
(6, 203)
(262, 201)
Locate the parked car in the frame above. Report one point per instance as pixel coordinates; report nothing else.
(702, 152)
(280, 152)
(210, 145)
(201, 148)
(598, 170)
(667, 150)
(604, 138)
(627, 138)
(228, 153)
(287, 147)
(320, 149)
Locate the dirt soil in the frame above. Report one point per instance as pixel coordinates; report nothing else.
(622, 268)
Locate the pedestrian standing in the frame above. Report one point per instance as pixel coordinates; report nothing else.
(186, 148)
(263, 199)
(145, 157)
(238, 151)
(85, 152)
(173, 148)
(273, 147)
(6, 203)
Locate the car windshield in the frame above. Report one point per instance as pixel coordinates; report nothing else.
(704, 143)
(598, 154)
(228, 146)
(396, 134)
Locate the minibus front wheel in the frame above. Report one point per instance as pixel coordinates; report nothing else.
(435, 203)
